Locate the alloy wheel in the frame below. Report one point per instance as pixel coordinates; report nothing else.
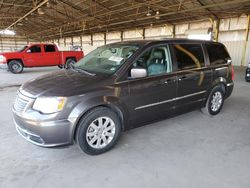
(100, 132)
(216, 101)
(16, 67)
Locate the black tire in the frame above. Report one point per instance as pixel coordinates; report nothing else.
(210, 109)
(60, 66)
(69, 63)
(85, 124)
(15, 66)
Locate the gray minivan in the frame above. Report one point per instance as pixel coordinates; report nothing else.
(121, 86)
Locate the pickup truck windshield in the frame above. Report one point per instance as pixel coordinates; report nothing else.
(106, 59)
(22, 49)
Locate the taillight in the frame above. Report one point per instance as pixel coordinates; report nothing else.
(232, 72)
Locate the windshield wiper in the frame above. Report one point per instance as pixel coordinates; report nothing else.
(82, 70)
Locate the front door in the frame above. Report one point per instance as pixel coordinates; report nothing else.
(33, 56)
(152, 97)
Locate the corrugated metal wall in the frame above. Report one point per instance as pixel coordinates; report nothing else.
(248, 53)
(232, 33)
(10, 44)
(235, 49)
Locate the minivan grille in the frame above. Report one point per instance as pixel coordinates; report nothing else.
(21, 102)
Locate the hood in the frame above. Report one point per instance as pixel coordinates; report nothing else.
(9, 53)
(63, 83)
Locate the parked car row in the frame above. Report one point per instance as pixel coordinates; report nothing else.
(38, 55)
(121, 86)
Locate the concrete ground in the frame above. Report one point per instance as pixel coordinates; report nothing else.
(191, 150)
(9, 79)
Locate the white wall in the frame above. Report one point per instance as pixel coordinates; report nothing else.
(232, 33)
(10, 44)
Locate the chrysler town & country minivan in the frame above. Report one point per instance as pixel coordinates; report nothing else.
(121, 86)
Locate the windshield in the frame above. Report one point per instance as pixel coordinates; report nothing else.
(106, 59)
(22, 49)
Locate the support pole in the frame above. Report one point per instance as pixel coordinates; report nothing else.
(143, 34)
(121, 35)
(91, 39)
(105, 38)
(217, 29)
(243, 60)
(1, 44)
(81, 41)
(174, 32)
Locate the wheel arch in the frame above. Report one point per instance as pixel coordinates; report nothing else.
(110, 106)
(17, 59)
(70, 57)
(218, 82)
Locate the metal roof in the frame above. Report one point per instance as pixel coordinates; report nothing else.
(48, 19)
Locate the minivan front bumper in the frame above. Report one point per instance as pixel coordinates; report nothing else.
(46, 134)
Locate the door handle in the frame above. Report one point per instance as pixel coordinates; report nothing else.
(182, 78)
(168, 81)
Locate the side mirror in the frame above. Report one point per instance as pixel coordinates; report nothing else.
(138, 72)
(229, 61)
(28, 51)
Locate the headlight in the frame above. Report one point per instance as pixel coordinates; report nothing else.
(2, 58)
(49, 105)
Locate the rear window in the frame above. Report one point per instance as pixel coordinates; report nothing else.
(189, 56)
(49, 48)
(217, 54)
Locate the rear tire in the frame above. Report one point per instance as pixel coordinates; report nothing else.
(15, 66)
(215, 101)
(98, 131)
(70, 63)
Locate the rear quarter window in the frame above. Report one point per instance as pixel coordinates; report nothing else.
(217, 54)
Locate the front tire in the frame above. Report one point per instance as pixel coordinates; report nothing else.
(215, 101)
(15, 66)
(60, 66)
(98, 131)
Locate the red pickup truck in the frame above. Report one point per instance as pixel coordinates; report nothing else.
(38, 55)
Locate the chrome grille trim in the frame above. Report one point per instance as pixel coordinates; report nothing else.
(21, 102)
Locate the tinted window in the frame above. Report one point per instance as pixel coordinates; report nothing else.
(217, 54)
(49, 48)
(156, 61)
(189, 56)
(35, 49)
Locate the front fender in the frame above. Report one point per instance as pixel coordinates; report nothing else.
(85, 106)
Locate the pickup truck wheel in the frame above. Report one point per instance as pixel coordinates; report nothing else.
(15, 66)
(98, 131)
(60, 66)
(70, 63)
